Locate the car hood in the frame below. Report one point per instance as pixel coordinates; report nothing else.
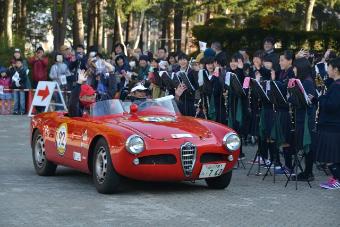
(166, 127)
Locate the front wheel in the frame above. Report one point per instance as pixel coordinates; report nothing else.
(42, 166)
(106, 179)
(220, 182)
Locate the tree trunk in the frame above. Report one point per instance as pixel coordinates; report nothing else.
(187, 30)
(78, 22)
(128, 28)
(164, 25)
(141, 37)
(23, 18)
(207, 15)
(178, 27)
(171, 30)
(309, 13)
(100, 24)
(55, 25)
(8, 22)
(17, 7)
(63, 22)
(2, 19)
(139, 30)
(90, 23)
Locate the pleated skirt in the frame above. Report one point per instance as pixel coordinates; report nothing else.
(327, 147)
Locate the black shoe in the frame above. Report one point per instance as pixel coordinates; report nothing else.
(15, 113)
(241, 157)
(303, 177)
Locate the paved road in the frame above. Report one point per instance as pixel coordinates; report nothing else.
(70, 199)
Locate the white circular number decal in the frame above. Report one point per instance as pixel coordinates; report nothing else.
(61, 139)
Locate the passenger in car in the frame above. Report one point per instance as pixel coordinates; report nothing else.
(138, 94)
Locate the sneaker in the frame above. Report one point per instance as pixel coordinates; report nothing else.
(267, 163)
(15, 113)
(331, 184)
(284, 170)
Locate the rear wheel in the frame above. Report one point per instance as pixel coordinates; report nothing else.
(220, 182)
(106, 179)
(42, 166)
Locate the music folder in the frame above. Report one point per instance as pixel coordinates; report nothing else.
(236, 85)
(275, 95)
(257, 88)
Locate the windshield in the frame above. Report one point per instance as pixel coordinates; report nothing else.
(161, 106)
(107, 107)
(164, 105)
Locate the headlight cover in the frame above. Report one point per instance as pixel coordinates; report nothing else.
(232, 141)
(135, 144)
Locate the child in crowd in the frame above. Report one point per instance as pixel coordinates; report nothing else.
(5, 96)
(19, 81)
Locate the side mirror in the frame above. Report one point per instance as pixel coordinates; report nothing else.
(133, 108)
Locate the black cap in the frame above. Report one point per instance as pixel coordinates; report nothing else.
(40, 48)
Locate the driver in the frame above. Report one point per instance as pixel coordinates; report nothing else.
(138, 94)
(82, 96)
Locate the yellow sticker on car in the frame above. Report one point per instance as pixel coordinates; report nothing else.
(61, 139)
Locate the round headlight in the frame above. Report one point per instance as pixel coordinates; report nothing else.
(135, 144)
(232, 141)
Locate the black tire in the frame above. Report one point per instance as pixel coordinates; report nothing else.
(42, 166)
(105, 178)
(220, 182)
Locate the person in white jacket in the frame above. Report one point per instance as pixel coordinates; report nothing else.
(59, 73)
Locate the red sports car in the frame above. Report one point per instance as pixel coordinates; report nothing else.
(151, 141)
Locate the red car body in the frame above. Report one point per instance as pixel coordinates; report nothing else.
(160, 161)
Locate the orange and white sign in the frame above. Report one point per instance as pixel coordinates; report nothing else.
(43, 95)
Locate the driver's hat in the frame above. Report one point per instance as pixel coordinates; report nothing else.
(139, 87)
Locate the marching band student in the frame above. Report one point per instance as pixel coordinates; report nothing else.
(266, 112)
(188, 96)
(218, 89)
(259, 72)
(173, 65)
(305, 117)
(282, 78)
(328, 130)
(237, 106)
(211, 83)
(268, 47)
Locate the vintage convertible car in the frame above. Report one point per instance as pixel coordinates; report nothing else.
(151, 141)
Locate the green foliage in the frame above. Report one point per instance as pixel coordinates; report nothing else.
(6, 52)
(252, 38)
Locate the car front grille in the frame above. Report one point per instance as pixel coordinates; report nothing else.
(213, 157)
(188, 157)
(162, 159)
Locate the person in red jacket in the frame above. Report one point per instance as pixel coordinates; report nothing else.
(39, 64)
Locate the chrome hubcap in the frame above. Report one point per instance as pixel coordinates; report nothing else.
(101, 165)
(39, 152)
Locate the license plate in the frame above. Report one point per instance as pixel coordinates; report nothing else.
(212, 170)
